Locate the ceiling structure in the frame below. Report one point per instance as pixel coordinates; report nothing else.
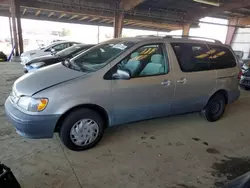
(160, 15)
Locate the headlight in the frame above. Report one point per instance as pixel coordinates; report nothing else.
(37, 65)
(32, 53)
(32, 104)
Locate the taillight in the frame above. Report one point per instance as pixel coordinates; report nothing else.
(240, 74)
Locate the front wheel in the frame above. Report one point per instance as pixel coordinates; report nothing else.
(215, 108)
(82, 129)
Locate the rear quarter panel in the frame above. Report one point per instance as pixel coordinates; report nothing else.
(227, 79)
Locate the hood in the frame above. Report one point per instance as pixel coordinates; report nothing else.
(29, 52)
(46, 77)
(41, 59)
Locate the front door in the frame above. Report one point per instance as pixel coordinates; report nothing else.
(149, 91)
(195, 77)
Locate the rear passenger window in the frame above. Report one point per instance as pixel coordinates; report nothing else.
(222, 57)
(202, 57)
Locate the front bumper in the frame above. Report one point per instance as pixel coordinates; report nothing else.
(31, 126)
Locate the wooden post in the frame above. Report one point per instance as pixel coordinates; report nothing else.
(231, 31)
(11, 34)
(186, 29)
(19, 26)
(118, 24)
(13, 16)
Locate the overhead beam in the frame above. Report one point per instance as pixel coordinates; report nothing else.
(110, 21)
(51, 14)
(24, 11)
(73, 17)
(155, 24)
(234, 4)
(93, 19)
(81, 11)
(38, 12)
(61, 16)
(104, 20)
(244, 21)
(127, 5)
(64, 9)
(84, 18)
(5, 2)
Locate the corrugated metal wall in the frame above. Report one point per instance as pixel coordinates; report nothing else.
(241, 41)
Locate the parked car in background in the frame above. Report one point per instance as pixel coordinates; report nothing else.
(239, 55)
(67, 53)
(245, 75)
(51, 48)
(121, 81)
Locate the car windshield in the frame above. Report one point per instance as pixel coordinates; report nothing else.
(99, 56)
(69, 50)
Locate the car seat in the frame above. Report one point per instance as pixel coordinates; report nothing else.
(156, 66)
(133, 65)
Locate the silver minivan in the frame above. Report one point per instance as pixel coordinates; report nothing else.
(121, 81)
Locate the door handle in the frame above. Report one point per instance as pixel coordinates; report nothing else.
(166, 83)
(182, 81)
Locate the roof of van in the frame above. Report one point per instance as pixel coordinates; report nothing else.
(171, 39)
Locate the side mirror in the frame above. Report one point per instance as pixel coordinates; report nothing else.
(121, 75)
(53, 51)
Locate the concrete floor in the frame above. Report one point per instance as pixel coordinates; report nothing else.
(176, 152)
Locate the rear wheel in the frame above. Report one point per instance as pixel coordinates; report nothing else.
(215, 108)
(82, 129)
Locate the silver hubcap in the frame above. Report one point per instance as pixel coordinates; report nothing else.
(84, 132)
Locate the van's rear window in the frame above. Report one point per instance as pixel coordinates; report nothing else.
(195, 57)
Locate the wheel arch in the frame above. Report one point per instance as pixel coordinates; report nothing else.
(100, 110)
(221, 91)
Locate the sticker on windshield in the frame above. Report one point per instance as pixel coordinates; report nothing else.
(120, 46)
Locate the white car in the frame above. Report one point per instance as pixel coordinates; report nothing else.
(53, 47)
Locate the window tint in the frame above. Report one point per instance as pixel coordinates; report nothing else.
(147, 60)
(202, 57)
(192, 57)
(222, 57)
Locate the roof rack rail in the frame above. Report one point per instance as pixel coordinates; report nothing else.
(193, 37)
(146, 36)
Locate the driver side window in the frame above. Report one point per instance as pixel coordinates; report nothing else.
(148, 60)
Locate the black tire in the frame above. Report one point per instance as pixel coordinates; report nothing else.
(215, 108)
(73, 118)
